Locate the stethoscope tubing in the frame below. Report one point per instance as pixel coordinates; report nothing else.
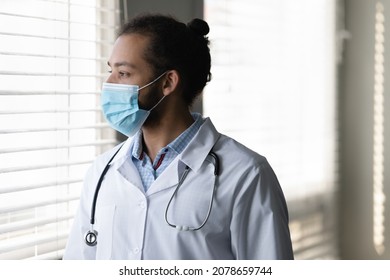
(187, 228)
(99, 184)
(91, 235)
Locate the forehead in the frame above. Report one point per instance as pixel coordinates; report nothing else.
(129, 50)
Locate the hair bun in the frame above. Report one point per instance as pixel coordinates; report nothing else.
(199, 26)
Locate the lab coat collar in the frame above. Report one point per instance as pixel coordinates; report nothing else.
(203, 142)
(122, 163)
(124, 151)
(193, 156)
(195, 152)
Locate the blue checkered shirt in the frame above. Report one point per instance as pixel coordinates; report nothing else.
(150, 171)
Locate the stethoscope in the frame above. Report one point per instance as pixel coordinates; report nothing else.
(91, 235)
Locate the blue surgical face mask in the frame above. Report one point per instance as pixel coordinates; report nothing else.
(120, 107)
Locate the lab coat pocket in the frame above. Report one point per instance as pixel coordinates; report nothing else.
(104, 225)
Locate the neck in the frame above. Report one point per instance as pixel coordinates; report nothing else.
(164, 130)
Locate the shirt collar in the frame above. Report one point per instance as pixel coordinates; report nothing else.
(137, 150)
(193, 155)
(177, 145)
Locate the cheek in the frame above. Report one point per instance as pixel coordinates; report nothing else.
(148, 97)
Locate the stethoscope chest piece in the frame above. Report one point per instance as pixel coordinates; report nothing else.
(91, 237)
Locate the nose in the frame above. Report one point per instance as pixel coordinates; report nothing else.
(111, 79)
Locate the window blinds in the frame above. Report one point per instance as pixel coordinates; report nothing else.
(51, 71)
(273, 89)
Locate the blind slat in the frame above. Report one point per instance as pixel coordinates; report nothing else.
(32, 205)
(105, 26)
(47, 111)
(22, 225)
(42, 92)
(43, 166)
(98, 7)
(54, 255)
(51, 74)
(25, 35)
(54, 128)
(41, 55)
(19, 188)
(29, 241)
(58, 146)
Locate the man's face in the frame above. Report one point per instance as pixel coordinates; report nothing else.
(128, 66)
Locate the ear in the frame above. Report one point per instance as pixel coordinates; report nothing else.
(171, 82)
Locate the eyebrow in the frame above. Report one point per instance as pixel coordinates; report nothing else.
(122, 63)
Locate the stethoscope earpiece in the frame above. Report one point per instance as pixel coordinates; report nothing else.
(91, 238)
(182, 228)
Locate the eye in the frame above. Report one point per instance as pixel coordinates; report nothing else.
(123, 74)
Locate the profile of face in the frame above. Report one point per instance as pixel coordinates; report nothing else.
(129, 66)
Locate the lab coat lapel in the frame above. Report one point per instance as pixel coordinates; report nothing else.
(193, 156)
(129, 172)
(122, 164)
(168, 179)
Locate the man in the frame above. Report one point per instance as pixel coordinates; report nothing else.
(177, 188)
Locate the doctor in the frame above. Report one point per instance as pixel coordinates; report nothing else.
(177, 188)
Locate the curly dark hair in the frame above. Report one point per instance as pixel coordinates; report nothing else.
(176, 46)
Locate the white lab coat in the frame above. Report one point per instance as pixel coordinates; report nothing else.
(249, 218)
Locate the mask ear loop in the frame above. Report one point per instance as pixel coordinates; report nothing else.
(152, 83)
(157, 103)
(153, 80)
